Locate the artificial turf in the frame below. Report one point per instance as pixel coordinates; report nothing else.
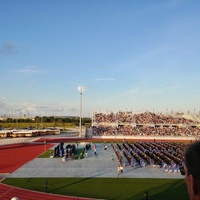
(107, 188)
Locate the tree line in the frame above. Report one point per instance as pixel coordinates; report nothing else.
(86, 121)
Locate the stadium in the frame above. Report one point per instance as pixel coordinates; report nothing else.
(149, 147)
(99, 100)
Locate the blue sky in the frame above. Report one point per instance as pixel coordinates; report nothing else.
(128, 54)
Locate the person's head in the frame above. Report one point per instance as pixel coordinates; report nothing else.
(192, 170)
(15, 198)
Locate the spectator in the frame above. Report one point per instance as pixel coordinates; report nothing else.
(86, 154)
(118, 170)
(192, 170)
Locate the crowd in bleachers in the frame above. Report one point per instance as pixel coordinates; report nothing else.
(146, 131)
(101, 117)
(126, 130)
(144, 124)
(168, 131)
(166, 155)
(141, 118)
(123, 117)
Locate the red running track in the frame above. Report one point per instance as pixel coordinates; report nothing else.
(7, 192)
(15, 155)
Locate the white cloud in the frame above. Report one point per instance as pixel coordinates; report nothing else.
(29, 70)
(104, 79)
(2, 98)
(31, 84)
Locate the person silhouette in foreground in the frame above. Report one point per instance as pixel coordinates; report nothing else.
(192, 170)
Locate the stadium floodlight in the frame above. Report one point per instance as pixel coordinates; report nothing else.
(80, 89)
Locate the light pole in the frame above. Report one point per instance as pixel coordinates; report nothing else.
(80, 89)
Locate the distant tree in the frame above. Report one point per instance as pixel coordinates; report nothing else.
(9, 120)
(67, 120)
(59, 120)
(45, 119)
(37, 119)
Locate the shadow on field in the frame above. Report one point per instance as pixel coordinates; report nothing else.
(177, 191)
(74, 183)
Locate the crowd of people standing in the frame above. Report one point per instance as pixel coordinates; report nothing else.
(142, 118)
(144, 124)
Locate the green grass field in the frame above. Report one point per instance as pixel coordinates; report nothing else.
(107, 188)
